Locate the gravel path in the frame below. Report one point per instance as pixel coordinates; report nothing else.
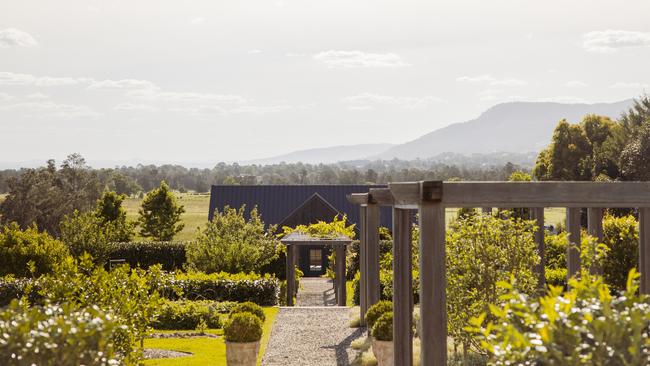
(311, 336)
(315, 291)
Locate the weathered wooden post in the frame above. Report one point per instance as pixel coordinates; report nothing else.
(644, 249)
(372, 254)
(340, 274)
(402, 289)
(538, 216)
(363, 260)
(573, 250)
(433, 308)
(291, 274)
(595, 229)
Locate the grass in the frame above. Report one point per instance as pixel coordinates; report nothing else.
(205, 351)
(195, 216)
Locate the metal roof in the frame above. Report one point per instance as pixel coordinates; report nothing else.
(277, 202)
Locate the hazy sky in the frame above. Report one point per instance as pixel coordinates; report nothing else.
(222, 80)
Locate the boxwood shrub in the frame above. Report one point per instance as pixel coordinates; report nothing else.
(250, 308)
(243, 327)
(171, 255)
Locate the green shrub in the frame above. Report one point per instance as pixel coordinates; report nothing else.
(555, 250)
(262, 290)
(621, 237)
(243, 327)
(249, 307)
(19, 247)
(231, 243)
(377, 310)
(60, 335)
(383, 328)
(187, 315)
(555, 276)
(481, 251)
(170, 255)
(583, 326)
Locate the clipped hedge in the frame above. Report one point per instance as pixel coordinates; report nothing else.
(262, 290)
(188, 315)
(170, 254)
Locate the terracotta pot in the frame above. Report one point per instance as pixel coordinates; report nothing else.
(242, 354)
(383, 351)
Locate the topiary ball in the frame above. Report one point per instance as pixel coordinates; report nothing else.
(377, 310)
(383, 328)
(249, 307)
(242, 328)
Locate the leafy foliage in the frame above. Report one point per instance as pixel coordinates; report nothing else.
(19, 247)
(43, 196)
(187, 315)
(243, 327)
(376, 311)
(621, 237)
(169, 254)
(59, 336)
(382, 330)
(160, 214)
(325, 230)
(584, 326)
(483, 250)
(249, 307)
(232, 243)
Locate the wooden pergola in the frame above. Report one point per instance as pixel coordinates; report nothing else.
(430, 198)
(296, 239)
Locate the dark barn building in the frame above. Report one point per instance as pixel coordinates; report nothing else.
(293, 205)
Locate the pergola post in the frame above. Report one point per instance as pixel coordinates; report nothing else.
(433, 308)
(340, 275)
(538, 216)
(595, 229)
(402, 289)
(573, 250)
(644, 249)
(363, 271)
(291, 274)
(372, 254)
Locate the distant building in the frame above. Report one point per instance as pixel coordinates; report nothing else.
(293, 205)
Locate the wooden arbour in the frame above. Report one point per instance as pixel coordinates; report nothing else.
(430, 198)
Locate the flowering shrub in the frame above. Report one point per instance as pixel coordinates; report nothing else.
(584, 326)
(59, 335)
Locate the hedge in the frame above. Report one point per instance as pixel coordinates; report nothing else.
(171, 255)
(188, 315)
(262, 290)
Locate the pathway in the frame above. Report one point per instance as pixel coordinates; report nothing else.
(312, 333)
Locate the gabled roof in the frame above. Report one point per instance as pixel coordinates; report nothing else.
(277, 202)
(314, 209)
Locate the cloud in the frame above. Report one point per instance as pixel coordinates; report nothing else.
(575, 84)
(490, 80)
(12, 37)
(367, 101)
(10, 78)
(48, 109)
(157, 95)
(124, 84)
(632, 85)
(197, 20)
(252, 52)
(358, 59)
(612, 40)
(135, 107)
(4, 97)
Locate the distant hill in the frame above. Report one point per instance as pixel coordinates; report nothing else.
(516, 127)
(326, 155)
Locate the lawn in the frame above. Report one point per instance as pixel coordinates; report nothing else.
(205, 351)
(196, 212)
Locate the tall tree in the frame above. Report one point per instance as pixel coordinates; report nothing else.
(160, 214)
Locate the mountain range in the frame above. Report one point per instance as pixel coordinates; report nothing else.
(514, 127)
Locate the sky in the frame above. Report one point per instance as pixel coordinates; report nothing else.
(204, 81)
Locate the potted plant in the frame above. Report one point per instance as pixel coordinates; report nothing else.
(243, 332)
(376, 310)
(382, 340)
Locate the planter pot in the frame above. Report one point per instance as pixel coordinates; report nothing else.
(383, 351)
(242, 354)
